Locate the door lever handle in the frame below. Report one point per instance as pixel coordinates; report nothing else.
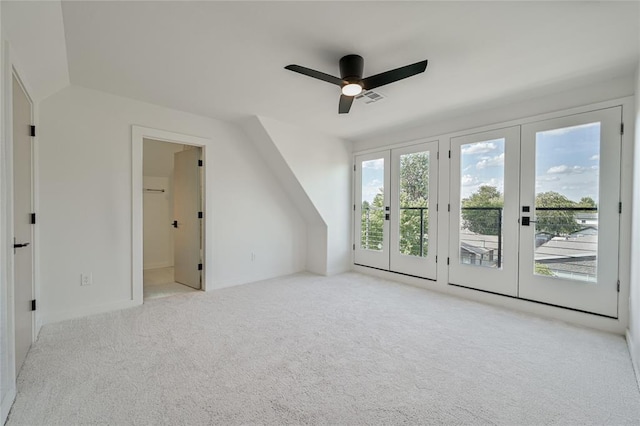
(526, 220)
(15, 246)
(174, 223)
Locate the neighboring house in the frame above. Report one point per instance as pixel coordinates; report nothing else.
(573, 256)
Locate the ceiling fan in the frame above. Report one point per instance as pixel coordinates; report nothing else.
(351, 81)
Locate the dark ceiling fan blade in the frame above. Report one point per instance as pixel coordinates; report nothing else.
(393, 75)
(315, 74)
(345, 104)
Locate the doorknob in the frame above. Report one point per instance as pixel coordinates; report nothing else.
(174, 224)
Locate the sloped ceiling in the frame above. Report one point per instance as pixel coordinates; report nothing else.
(226, 59)
(36, 35)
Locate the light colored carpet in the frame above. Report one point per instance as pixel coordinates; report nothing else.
(160, 283)
(350, 349)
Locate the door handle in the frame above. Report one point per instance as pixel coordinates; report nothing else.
(18, 245)
(174, 224)
(526, 220)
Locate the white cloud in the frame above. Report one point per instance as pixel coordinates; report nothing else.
(497, 161)
(377, 164)
(563, 169)
(565, 130)
(594, 157)
(469, 180)
(478, 148)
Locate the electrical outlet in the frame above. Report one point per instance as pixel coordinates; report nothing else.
(86, 279)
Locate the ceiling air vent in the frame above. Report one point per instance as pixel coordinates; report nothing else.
(369, 97)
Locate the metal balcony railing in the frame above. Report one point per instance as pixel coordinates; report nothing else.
(565, 237)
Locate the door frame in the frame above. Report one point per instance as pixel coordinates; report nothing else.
(138, 134)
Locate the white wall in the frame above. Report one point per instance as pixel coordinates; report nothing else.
(323, 166)
(500, 111)
(633, 334)
(157, 216)
(85, 202)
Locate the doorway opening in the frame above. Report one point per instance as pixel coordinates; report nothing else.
(173, 212)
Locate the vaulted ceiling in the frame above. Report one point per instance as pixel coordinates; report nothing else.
(226, 59)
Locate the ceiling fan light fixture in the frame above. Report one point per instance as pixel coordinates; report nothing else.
(351, 89)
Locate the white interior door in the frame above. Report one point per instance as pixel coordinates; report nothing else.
(372, 210)
(570, 211)
(187, 224)
(483, 250)
(22, 228)
(413, 222)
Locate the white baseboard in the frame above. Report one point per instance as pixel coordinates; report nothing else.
(157, 265)
(51, 317)
(582, 319)
(7, 403)
(634, 357)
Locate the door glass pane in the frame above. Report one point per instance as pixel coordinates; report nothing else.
(482, 201)
(566, 227)
(372, 220)
(414, 203)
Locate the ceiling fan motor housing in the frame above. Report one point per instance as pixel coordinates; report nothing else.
(351, 68)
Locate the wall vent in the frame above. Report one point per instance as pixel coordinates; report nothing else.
(369, 97)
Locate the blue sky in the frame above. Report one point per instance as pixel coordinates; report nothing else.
(567, 161)
(372, 178)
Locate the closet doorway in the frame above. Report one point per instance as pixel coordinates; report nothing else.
(172, 218)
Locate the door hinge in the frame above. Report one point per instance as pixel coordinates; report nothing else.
(354, 167)
(436, 259)
(354, 207)
(33, 218)
(32, 131)
(354, 246)
(449, 153)
(33, 305)
(618, 286)
(447, 260)
(438, 155)
(622, 128)
(200, 163)
(448, 207)
(199, 266)
(437, 206)
(200, 215)
(620, 207)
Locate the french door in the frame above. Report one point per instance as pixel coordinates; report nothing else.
(395, 210)
(484, 211)
(535, 211)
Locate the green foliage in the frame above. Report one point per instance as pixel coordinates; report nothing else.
(484, 222)
(557, 222)
(554, 222)
(414, 195)
(372, 222)
(414, 192)
(586, 202)
(542, 269)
